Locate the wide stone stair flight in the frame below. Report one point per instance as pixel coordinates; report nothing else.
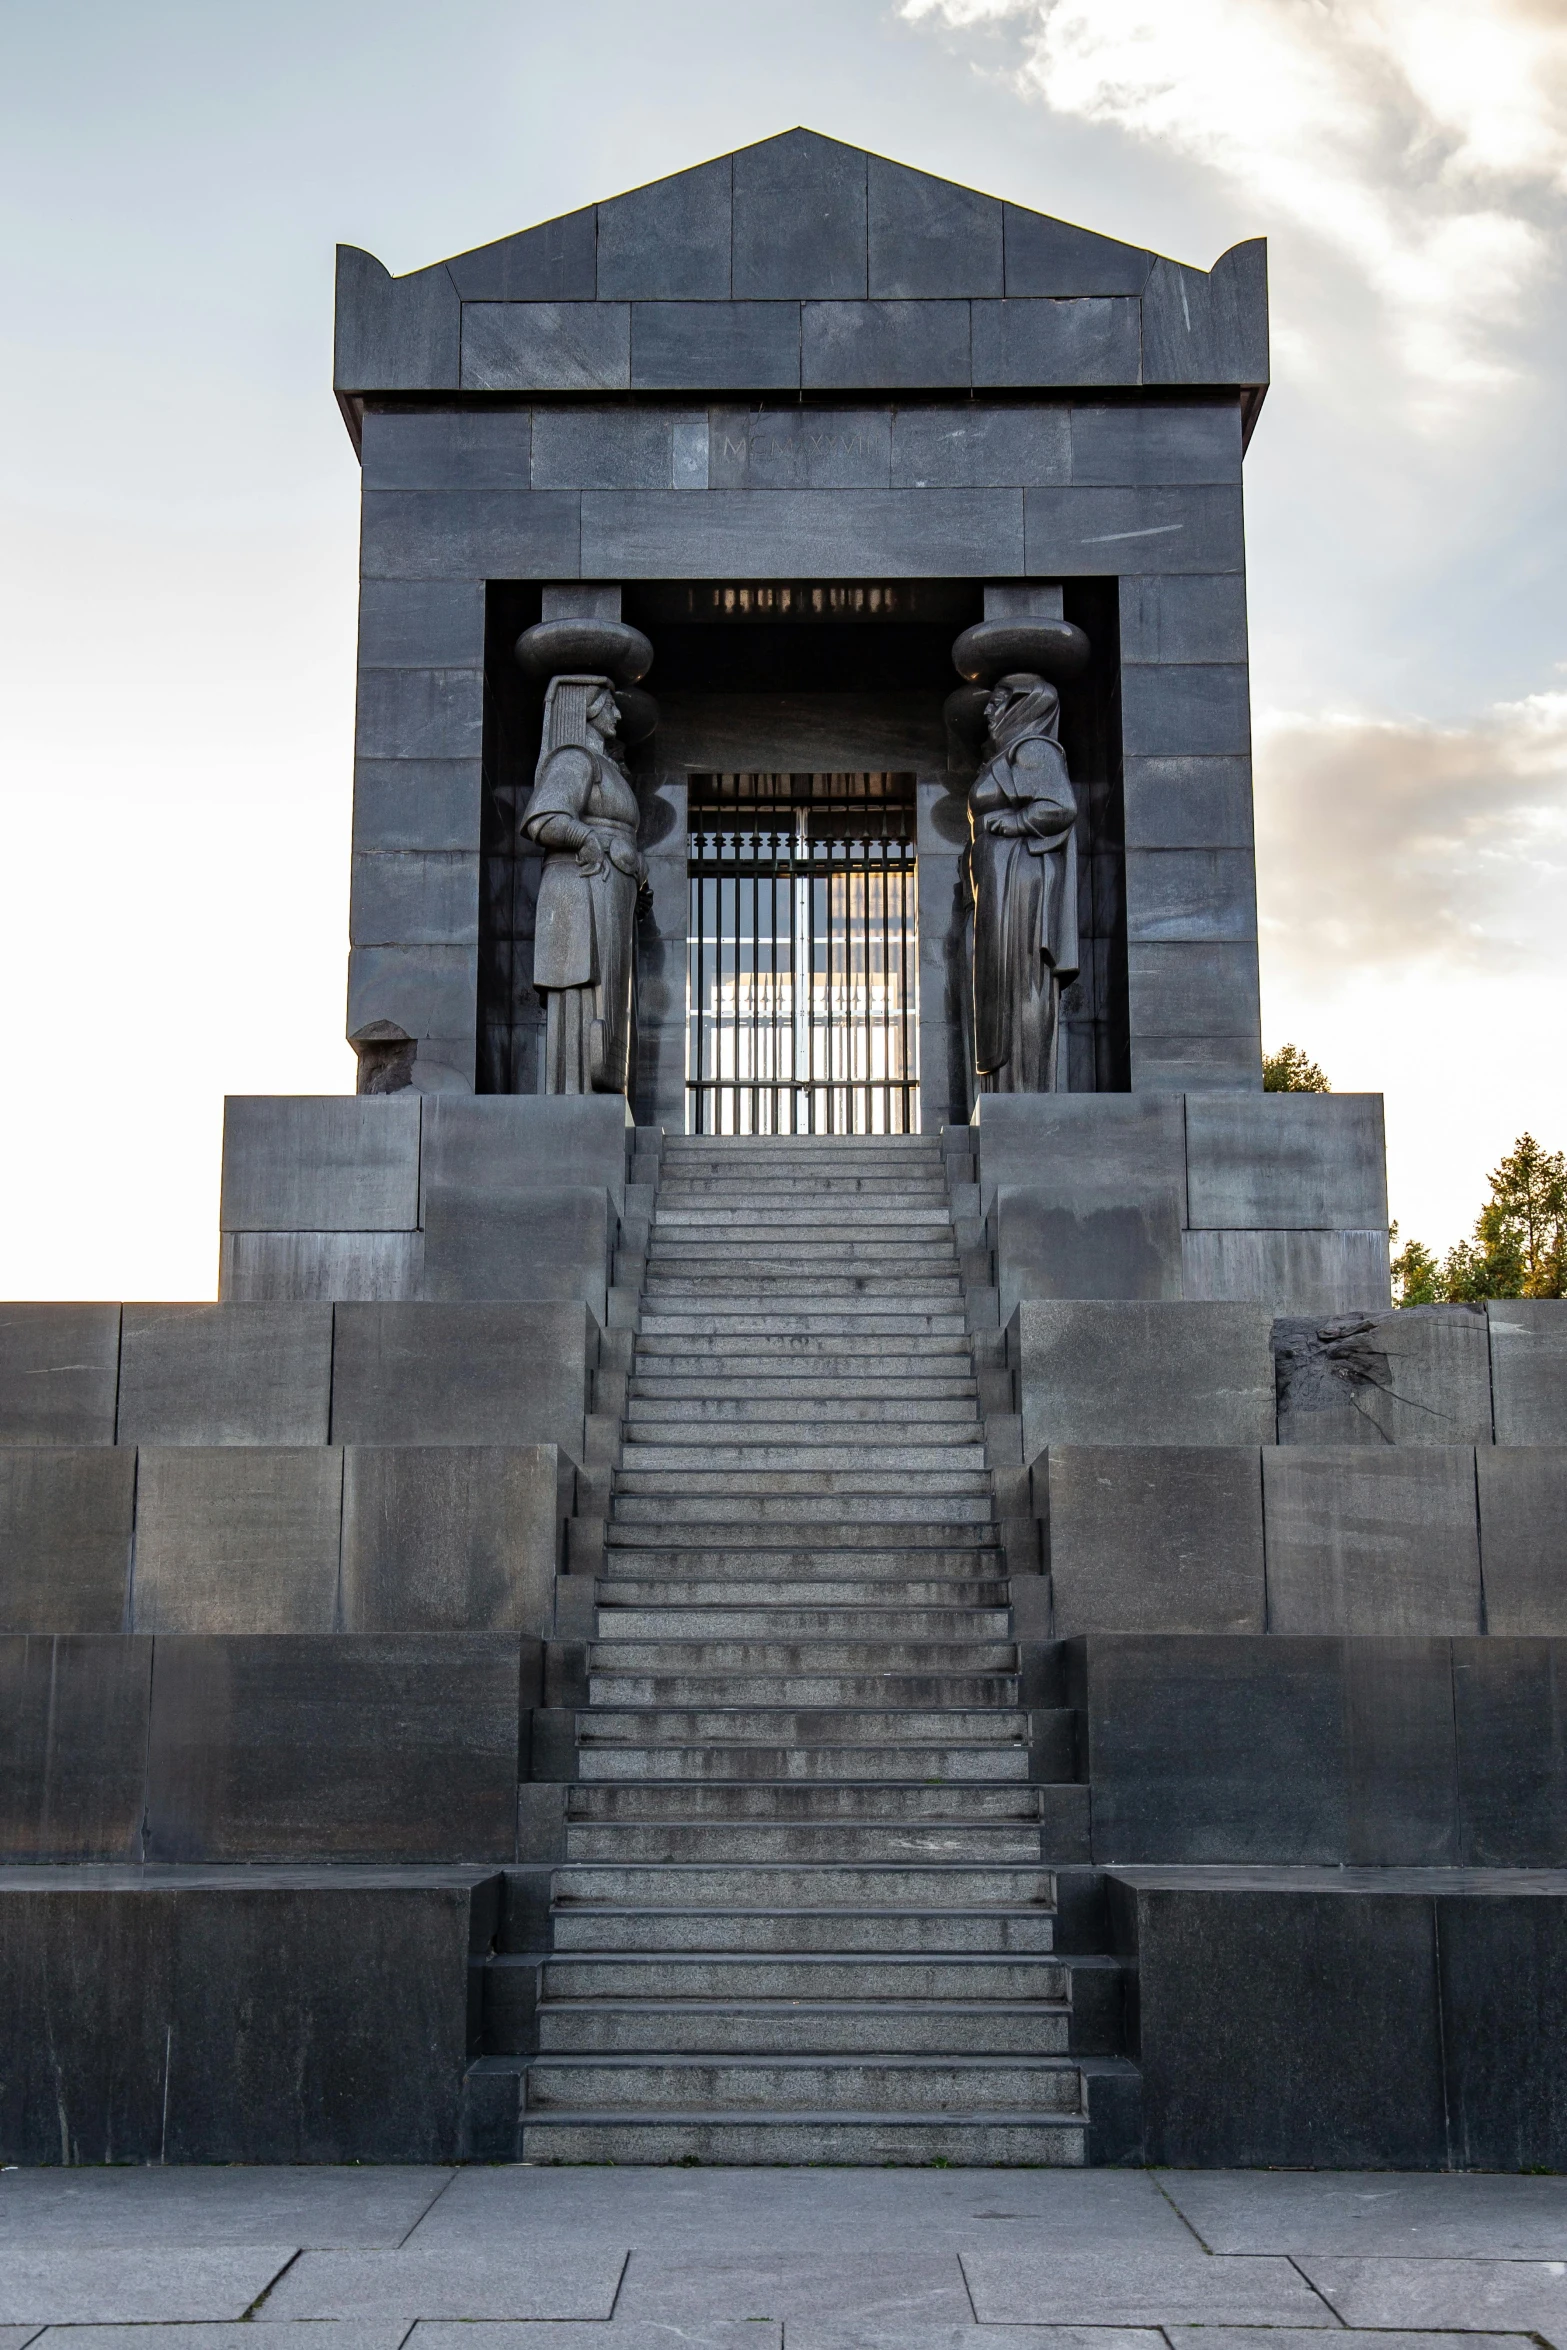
(808, 1910)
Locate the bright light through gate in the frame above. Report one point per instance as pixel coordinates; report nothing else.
(803, 998)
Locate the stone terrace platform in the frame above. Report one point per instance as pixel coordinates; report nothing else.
(521, 2258)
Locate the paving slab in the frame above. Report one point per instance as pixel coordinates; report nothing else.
(897, 2285)
(124, 2286)
(143, 2208)
(1469, 2296)
(1439, 2216)
(854, 2336)
(575, 2279)
(1298, 2338)
(801, 2210)
(433, 2334)
(1025, 2284)
(17, 2337)
(388, 2334)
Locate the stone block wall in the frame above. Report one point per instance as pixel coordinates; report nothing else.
(238, 2015)
(1414, 1750)
(1386, 2019)
(1123, 1371)
(424, 1536)
(935, 493)
(357, 1372)
(1213, 1195)
(443, 1197)
(306, 1468)
(1419, 1541)
(395, 1748)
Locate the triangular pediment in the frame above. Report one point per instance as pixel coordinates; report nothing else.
(799, 217)
(801, 265)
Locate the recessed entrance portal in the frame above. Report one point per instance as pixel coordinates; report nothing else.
(803, 990)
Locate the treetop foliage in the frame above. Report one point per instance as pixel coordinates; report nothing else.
(1519, 1245)
(1290, 1070)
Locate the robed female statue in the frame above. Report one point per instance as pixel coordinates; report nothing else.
(1022, 869)
(583, 814)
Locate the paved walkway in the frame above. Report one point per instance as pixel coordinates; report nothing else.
(566, 2259)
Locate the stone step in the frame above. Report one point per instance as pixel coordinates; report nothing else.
(870, 1318)
(785, 1689)
(964, 1490)
(792, 1931)
(933, 1769)
(787, 1244)
(819, 2027)
(745, 1842)
(815, 1159)
(652, 1397)
(748, 1155)
(621, 1625)
(787, 1371)
(789, 1726)
(785, 1531)
(867, 1439)
(763, 1562)
(684, 1145)
(748, 1284)
(843, 1354)
(765, 2084)
(830, 1885)
(873, 2140)
(678, 1517)
(702, 1539)
(957, 1451)
(848, 1179)
(869, 1800)
(917, 1237)
(812, 1656)
(704, 1188)
(861, 1223)
(831, 1975)
(672, 1595)
(921, 1290)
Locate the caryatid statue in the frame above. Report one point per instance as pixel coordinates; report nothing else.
(583, 814)
(1021, 860)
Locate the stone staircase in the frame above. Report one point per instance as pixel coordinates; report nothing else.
(808, 1911)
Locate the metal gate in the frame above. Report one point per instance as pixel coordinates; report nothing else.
(803, 998)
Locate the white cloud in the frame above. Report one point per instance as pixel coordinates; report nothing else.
(1411, 882)
(1423, 141)
(1388, 845)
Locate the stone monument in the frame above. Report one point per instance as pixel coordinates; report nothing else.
(803, 1533)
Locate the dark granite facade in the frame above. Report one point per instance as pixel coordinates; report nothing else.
(803, 365)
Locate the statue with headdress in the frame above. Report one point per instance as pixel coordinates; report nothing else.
(1021, 859)
(583, 814)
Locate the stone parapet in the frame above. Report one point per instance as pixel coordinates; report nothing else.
(1331, 1540)
(1343, 2019)
(1213, 1195)
(390, 1372)
(451, 1197)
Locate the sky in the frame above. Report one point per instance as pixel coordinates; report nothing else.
(178, 502)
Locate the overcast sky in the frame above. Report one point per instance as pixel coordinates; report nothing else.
(178, 501)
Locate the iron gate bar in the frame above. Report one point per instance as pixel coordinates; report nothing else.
(833, 858)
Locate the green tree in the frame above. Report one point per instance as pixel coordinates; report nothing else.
(1417, 1277)
(1520, 1236)
(1290, 1070)
(1519, 1244)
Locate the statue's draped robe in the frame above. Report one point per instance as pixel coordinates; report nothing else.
(1025, 902)
(584, 942)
